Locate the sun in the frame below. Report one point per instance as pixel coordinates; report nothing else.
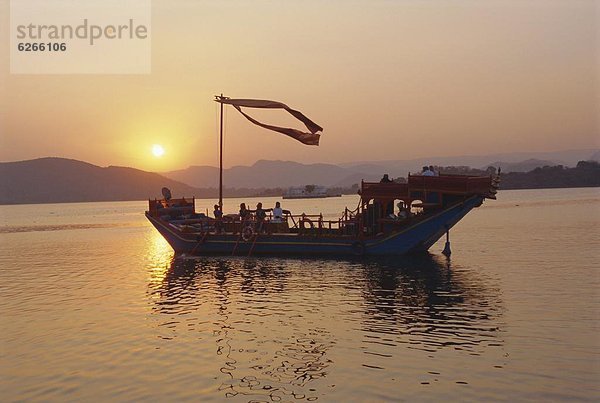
(158, 150)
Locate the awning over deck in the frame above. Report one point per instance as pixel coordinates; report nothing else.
(445, 184)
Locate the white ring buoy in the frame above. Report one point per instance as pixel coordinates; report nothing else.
(248, 233)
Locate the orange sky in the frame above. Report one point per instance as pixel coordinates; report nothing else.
(386, 79)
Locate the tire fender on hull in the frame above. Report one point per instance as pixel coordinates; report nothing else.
(248, 233)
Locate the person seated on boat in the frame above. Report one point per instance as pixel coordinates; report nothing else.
(218, 218)
(427, 172)
(244, 212)
(435, 173)
(277, 213)
(385, 179)
(260, 215)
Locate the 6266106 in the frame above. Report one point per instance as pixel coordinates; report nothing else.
(42, 47)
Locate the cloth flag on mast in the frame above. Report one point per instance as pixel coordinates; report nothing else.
(310, 138)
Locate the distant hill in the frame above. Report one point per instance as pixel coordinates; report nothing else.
(585, 174)
(57, 180)
(197, 176)
(402, 167)
(523, 166)
(270, 174)
(273, 174)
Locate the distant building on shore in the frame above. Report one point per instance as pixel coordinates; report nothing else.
(308, 192)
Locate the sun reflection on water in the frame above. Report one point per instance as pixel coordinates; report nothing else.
(159, 257)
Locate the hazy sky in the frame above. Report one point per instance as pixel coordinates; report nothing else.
(386, 79)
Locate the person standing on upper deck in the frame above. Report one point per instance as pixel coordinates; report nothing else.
(427, 172)
(385, 179)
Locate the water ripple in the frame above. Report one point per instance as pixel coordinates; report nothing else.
(276, 324)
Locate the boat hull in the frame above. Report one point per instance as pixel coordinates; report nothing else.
(415, 238)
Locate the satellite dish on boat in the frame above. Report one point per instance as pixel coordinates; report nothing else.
(166, 192)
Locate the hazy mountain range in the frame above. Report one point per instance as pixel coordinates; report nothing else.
(56, 180)
(566, 158)
(268, 174)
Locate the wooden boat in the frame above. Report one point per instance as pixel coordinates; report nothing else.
(429, 207)
(437, 203)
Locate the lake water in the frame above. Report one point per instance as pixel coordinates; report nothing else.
(94, 307)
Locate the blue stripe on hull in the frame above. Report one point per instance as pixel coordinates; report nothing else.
(416, 238)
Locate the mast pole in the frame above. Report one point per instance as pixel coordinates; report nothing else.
(221, 158)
